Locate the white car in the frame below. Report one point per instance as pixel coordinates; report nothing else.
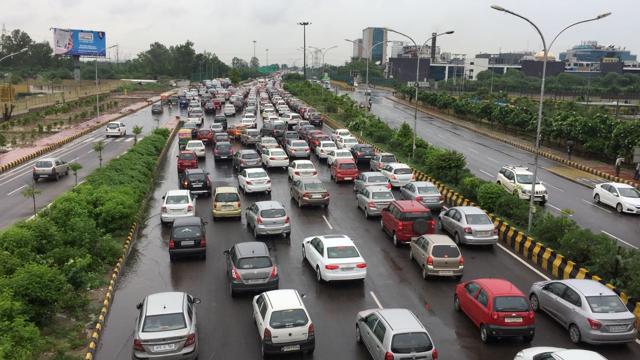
(217, 127)
(229, 110)
(197, 146)
(275, 157)
(517, 180)
(346, 142)
(116, 128)
(332, 155)
(323, 147)
(249, 116)
(248, 123)
(623, 197)
(271, 118)
(302, 169)
(399, 174)
(254, 180)
(176, 204)
(196, 113)
(339, 133)
(334, 257)
(554, 353)
(292, 119)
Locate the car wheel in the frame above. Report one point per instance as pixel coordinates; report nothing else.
(535, 303)
(456, 303)
(484, 334)
(456, 238)
(619, 208)
(358, 336)
(574, 334)
(318, 275)
(425, 275)
(304, 254)
(395, 240)
(596, 198)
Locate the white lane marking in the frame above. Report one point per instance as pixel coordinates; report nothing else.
(617, 238)
(129, 139)
(554, 207)
(486, 173)
(523, 262)
(599, 207)
(375, 298)
(15, 177)
(327, 221)
(473, 150)
(74, 159)
(492, 159)
(555, 187)
(18, 189)
(90, 151)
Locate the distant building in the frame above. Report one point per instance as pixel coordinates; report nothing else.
(396, 48)
(404, 68)
(589, 53)
(370, 37)
(357, 49)
(508, 58)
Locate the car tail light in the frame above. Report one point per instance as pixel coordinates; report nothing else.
(266, 336)
(216, 151)
(203, 242)
(311, 330)
(190, 208)
(594, 324)
(172, 244)
(461, 261)
(326, 195)
(164, 209)
(394, 177)
(388, 185)
(286, 219)
(185, 184)
(531, 315)
(495, 231)
(242, 161)
(432, 226)
(371, 205)
(388, 356)
(191, 339)
(259, 220)
(274, 272)
(418, 198)
(360, 153)
(296, 172)
(269, 181)
(434, 354)
(331, 267)
(430, 260)
(441, 197)
(234, 274)
(137, 345)
(314, 173)
(361, 265)
(306, 149)
(271, 158)
(305, 195)
(467, 230)
(249, 182)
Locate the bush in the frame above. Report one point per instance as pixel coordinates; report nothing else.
(488, 196)
(39, 288)
(446, 165)
(469, 187)
(513, 208)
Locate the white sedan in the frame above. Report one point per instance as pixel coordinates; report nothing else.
(553, 353)
(321, 150)
(254, 180)
(333, 155)
(339, 133)
(334, 257)
(197, 146)
(176, 204)
(302, 168)
(623, 197)
(346, 142)
(275, 157)
(398, 174)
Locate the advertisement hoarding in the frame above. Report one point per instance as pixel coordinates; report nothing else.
(73, 42)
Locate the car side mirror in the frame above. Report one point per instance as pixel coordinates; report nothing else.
(163, 196)
(139, 306)
(196, 301)
(616, 195)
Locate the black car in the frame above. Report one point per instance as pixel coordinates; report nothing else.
(196, 181)
(222, 150)
(183, 102)
(250, 268)
(156, 108)
(188, 238)
(315, 119)
(209, 108)
(362, 152)
(221, 119)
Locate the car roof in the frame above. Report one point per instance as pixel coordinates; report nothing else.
(410, 205)
(588, 287)
(398, 165)
(165, 303)
(619, 185)
(440, 239)
(469, 209)
(400, 319)
(177, 192)
(303, 162)
(578, 354)
(371, 173)
(188, 220)
(251, 248)
(305, 180)
(199, 142)
(378, 188)
(226, 189)
(336, 240)
(247, 151)
(195, 171)
(423, 183)
(269, 204)
(343, 161)
(49, 159)
(498, 287)
(284, 299)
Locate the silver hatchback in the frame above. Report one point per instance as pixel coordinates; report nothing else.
(423, 192)
(50, 168)
(469, 225)
(372, 199)
(370, 178)
(268, 218)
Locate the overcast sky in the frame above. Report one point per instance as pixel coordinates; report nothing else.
(227, 28)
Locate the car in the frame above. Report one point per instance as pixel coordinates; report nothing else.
(283, 323)
(624, 198)
(370, 178)
(252, 180)
(220, 137)
(249, 122)
(338, 133)
(197, 146)
(309, 191)
(186, 160)
(333, 155)
(304, 129)
(297, 148)
(362, 152)
(188, 238)
(216, 128)
(554, 353)
(165, 327)
(206, 135)
(469, 225)
(226, 203)
(398, 174)
(333, 258)
(497, 307)
(220, 119)
(157, 108)
(197, 114)
(197, 181)
(292, 119)
(405, 220)
(250, 109)
(424, 192)
(193, 126)
(229, 110)
(267, 142)
(250, 268)
(116, 128)
(268, 218)
(288, 135)
(316, 139)
(324, 146)
(372, 199)
(301, 169)
(300, 124)
(274, 157)
(274, 129)
(394, 334)
(50, 168)
(316, 119)
(437, 255)
(592, 312)
(245, 158)
(177, 204)
(222, 150)
(209, 107)
(346, 142)
(249, 136)
(343, 170)
(517, 180)
(379, 160)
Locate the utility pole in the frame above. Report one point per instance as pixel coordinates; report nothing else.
(267, 62)
(254, 48)
(304, 25)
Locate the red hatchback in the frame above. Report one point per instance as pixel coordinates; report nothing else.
(344, 170)
(187, 160)
(206, 135)
(405, 220)
(497, 307)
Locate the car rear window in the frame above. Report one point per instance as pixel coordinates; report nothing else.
(113, 126)
(402, 171)
(223, 146)
(382, 195)
(347, 166)
(204, 132)
(377, 179)
(478, 219)
(316, 186)
(257, 262)
(277, 153)
(288, 318)
(305, 166)
(185, 232)
(410, 216)
(195, 145)
(298, 144)
(177, 199)
(606, 304)
(510, 303)
(188, 156)
(426, 190)
(414, 342)
(342, 252)
(164, 322)
(222, 136)
(250, 156)
(445, 251)
(226, 197)
(44, 164)
(388, 158)
(256, 174)
(272, 213)
(197, 177)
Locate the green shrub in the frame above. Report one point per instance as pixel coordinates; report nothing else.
(488, 196)
(513, 208)
(446, 165)
(469, 187)
(40, 288)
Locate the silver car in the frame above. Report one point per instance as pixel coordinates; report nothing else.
(268, 218)
(423, 192)
(380, 160)
(297, 148)
(50, 168)
(591, 312)
(166, 327)
(469, 225)
(370, 178)
(372, 199)
(250, 268)
(249, 136)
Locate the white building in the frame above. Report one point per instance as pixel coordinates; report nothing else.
(357, 49)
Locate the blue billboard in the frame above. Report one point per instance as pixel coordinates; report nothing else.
(73, 42)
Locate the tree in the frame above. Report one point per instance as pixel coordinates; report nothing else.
(31, 191)
(237, 63)
(74, 166)
(254, 63)
(234, 76)
(98, 147)
(137, 130)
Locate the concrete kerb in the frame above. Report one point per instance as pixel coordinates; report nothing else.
(126, 249)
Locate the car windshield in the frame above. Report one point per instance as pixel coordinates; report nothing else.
(288, 318)
(377, 179)
(478, 219)
(187, 156)
(606, 304)
(382, 195)
(44, 164)
(342, 252)
(177, 199)
(164, 322)
(250, 156)
(272, 213)
(315, 186)
(185, 232)
(226, 197)
(629, 193)
(402, 171)
(428, 190)
(258, 262)
(350, 141)
(445, 251)
(525, 179)
(256, 174)
(415, 342)
(197, 177)
(298, 144)
(510, 303)
(388, 158)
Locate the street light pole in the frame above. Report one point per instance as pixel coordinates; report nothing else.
(267, 62)
(304, 25)
(97, 87)
(545, 50)
(369, 52)
(14, 54)
(254, 48)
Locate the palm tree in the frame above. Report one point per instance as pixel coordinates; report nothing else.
(74, 166)
(98, 147)
(31, 192)
(137, 130)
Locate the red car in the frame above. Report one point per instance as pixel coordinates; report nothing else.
(344, 170)
(187, 160)
(317, 138)
(206, 135)
(405, 220)
(497, 307)
(309, 134)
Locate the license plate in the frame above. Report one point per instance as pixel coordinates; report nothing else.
(513, 319)
(228, 207)
(166, 347)
(197, 185)
(348, 178)
(484, 233)
(618, 328)
(446, 272)
(291, 348)
(348, 268)
(223, 157)
(187, 243)
(316, 196)
(254, 281)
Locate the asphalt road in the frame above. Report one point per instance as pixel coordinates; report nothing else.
(226, 329)
(485, 157)
(14, 206)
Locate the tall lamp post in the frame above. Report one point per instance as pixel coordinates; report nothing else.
(304, 25)
(15, 53)
(545, 50)
(267, 60)
(97, 86)
(415, 110)
(323, 52)
(369, 54)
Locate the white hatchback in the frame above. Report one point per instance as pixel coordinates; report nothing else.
(398, 174)
(334, 257)
(197, 146)
(254, 180)
(338, 133)
(324, 147)
(333, 155)
(176, 204)
(116, 128)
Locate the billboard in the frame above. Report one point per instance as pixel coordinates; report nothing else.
(72, 42)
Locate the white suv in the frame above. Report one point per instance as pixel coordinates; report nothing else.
(518, 180)
(283, 323)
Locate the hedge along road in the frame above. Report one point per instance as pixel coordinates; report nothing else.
(485, 157)
(14, 206)
(225, 325)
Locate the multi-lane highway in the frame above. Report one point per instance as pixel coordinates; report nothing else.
(226, 328)
(485, 157)
(14, 206)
